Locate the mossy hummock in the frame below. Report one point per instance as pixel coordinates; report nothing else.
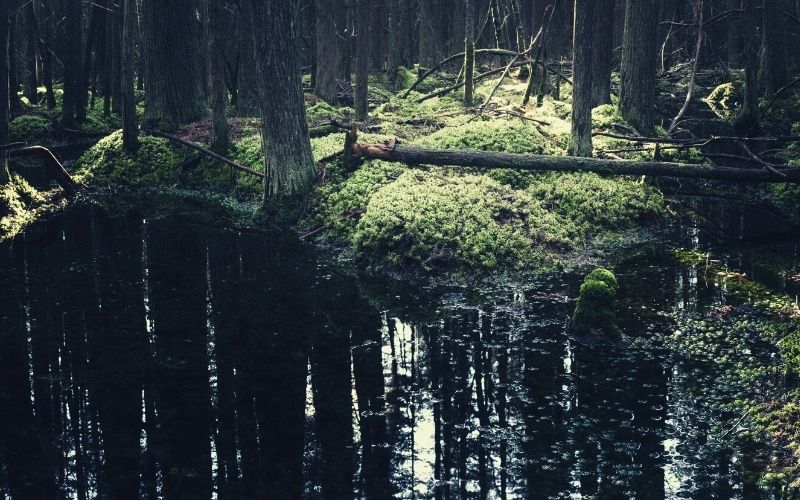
(595, 311)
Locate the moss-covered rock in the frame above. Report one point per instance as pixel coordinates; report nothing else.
(595, 311)
(156, 162)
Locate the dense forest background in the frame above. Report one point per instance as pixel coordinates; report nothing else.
(183, 60)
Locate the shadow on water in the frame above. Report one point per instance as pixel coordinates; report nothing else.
(157, 359)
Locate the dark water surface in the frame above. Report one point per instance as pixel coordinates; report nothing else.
(160, 359)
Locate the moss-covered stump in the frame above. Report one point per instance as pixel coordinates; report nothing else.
(595, 312)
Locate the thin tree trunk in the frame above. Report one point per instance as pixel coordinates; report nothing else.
(469, 52)
(130, 133)
(747, 120)
(774, 40)
(31, 66)
(218, 13)
(45, 45)
(581, 135)
(4, 90)
(70, 114)
(362, 40)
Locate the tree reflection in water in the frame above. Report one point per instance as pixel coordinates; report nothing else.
(160, 359)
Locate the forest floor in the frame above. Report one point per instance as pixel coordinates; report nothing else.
(431, 221)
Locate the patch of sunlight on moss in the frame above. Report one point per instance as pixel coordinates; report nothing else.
(723, 101)
(429, 219)
(501, 135)
(17, 201)
(330, 144)
(322, 112)
(156, 162)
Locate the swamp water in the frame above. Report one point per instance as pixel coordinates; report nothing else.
(156, 358)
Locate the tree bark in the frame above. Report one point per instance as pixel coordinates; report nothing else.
(362, 40)
(748, 117)
(331, 48)
(45, 44)
(288, 163)
(543, 163)
(774, 40)
(580, 143)
(4, 89)
(638, 70)
(71, 112)
(218, 15)
(734, 35)
(469, 52)
(602, 52)
(31, 59)
(130, 133)
(172, 74)
(430, 42)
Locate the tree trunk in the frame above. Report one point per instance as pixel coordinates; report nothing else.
(45, 44)
(638, 70)
(774, 40)
(31, 66)
(288, 163)
(602, 52)
(97, 23)
(430, 43)
(747, 120)
(4, 89)
(543, 163)
(173, 83)
(130, 133)
(362, 40)
(115, 25)
(581, 136)
(469, 52)
(734, 35)
(331, 48)
(15, 105)
(218, 15)
(71, 112)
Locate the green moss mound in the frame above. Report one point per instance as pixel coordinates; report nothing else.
(595, 311)
(595, 204)
(433, 219)
(29, 128)
(509, 136)
(604, 276)
(156, 162)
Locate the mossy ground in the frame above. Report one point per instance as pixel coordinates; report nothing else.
(39, 125)
(456, 218)
(21, 204)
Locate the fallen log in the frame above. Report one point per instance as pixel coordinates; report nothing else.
(51, 163)
(204, 151)
(391, 151)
